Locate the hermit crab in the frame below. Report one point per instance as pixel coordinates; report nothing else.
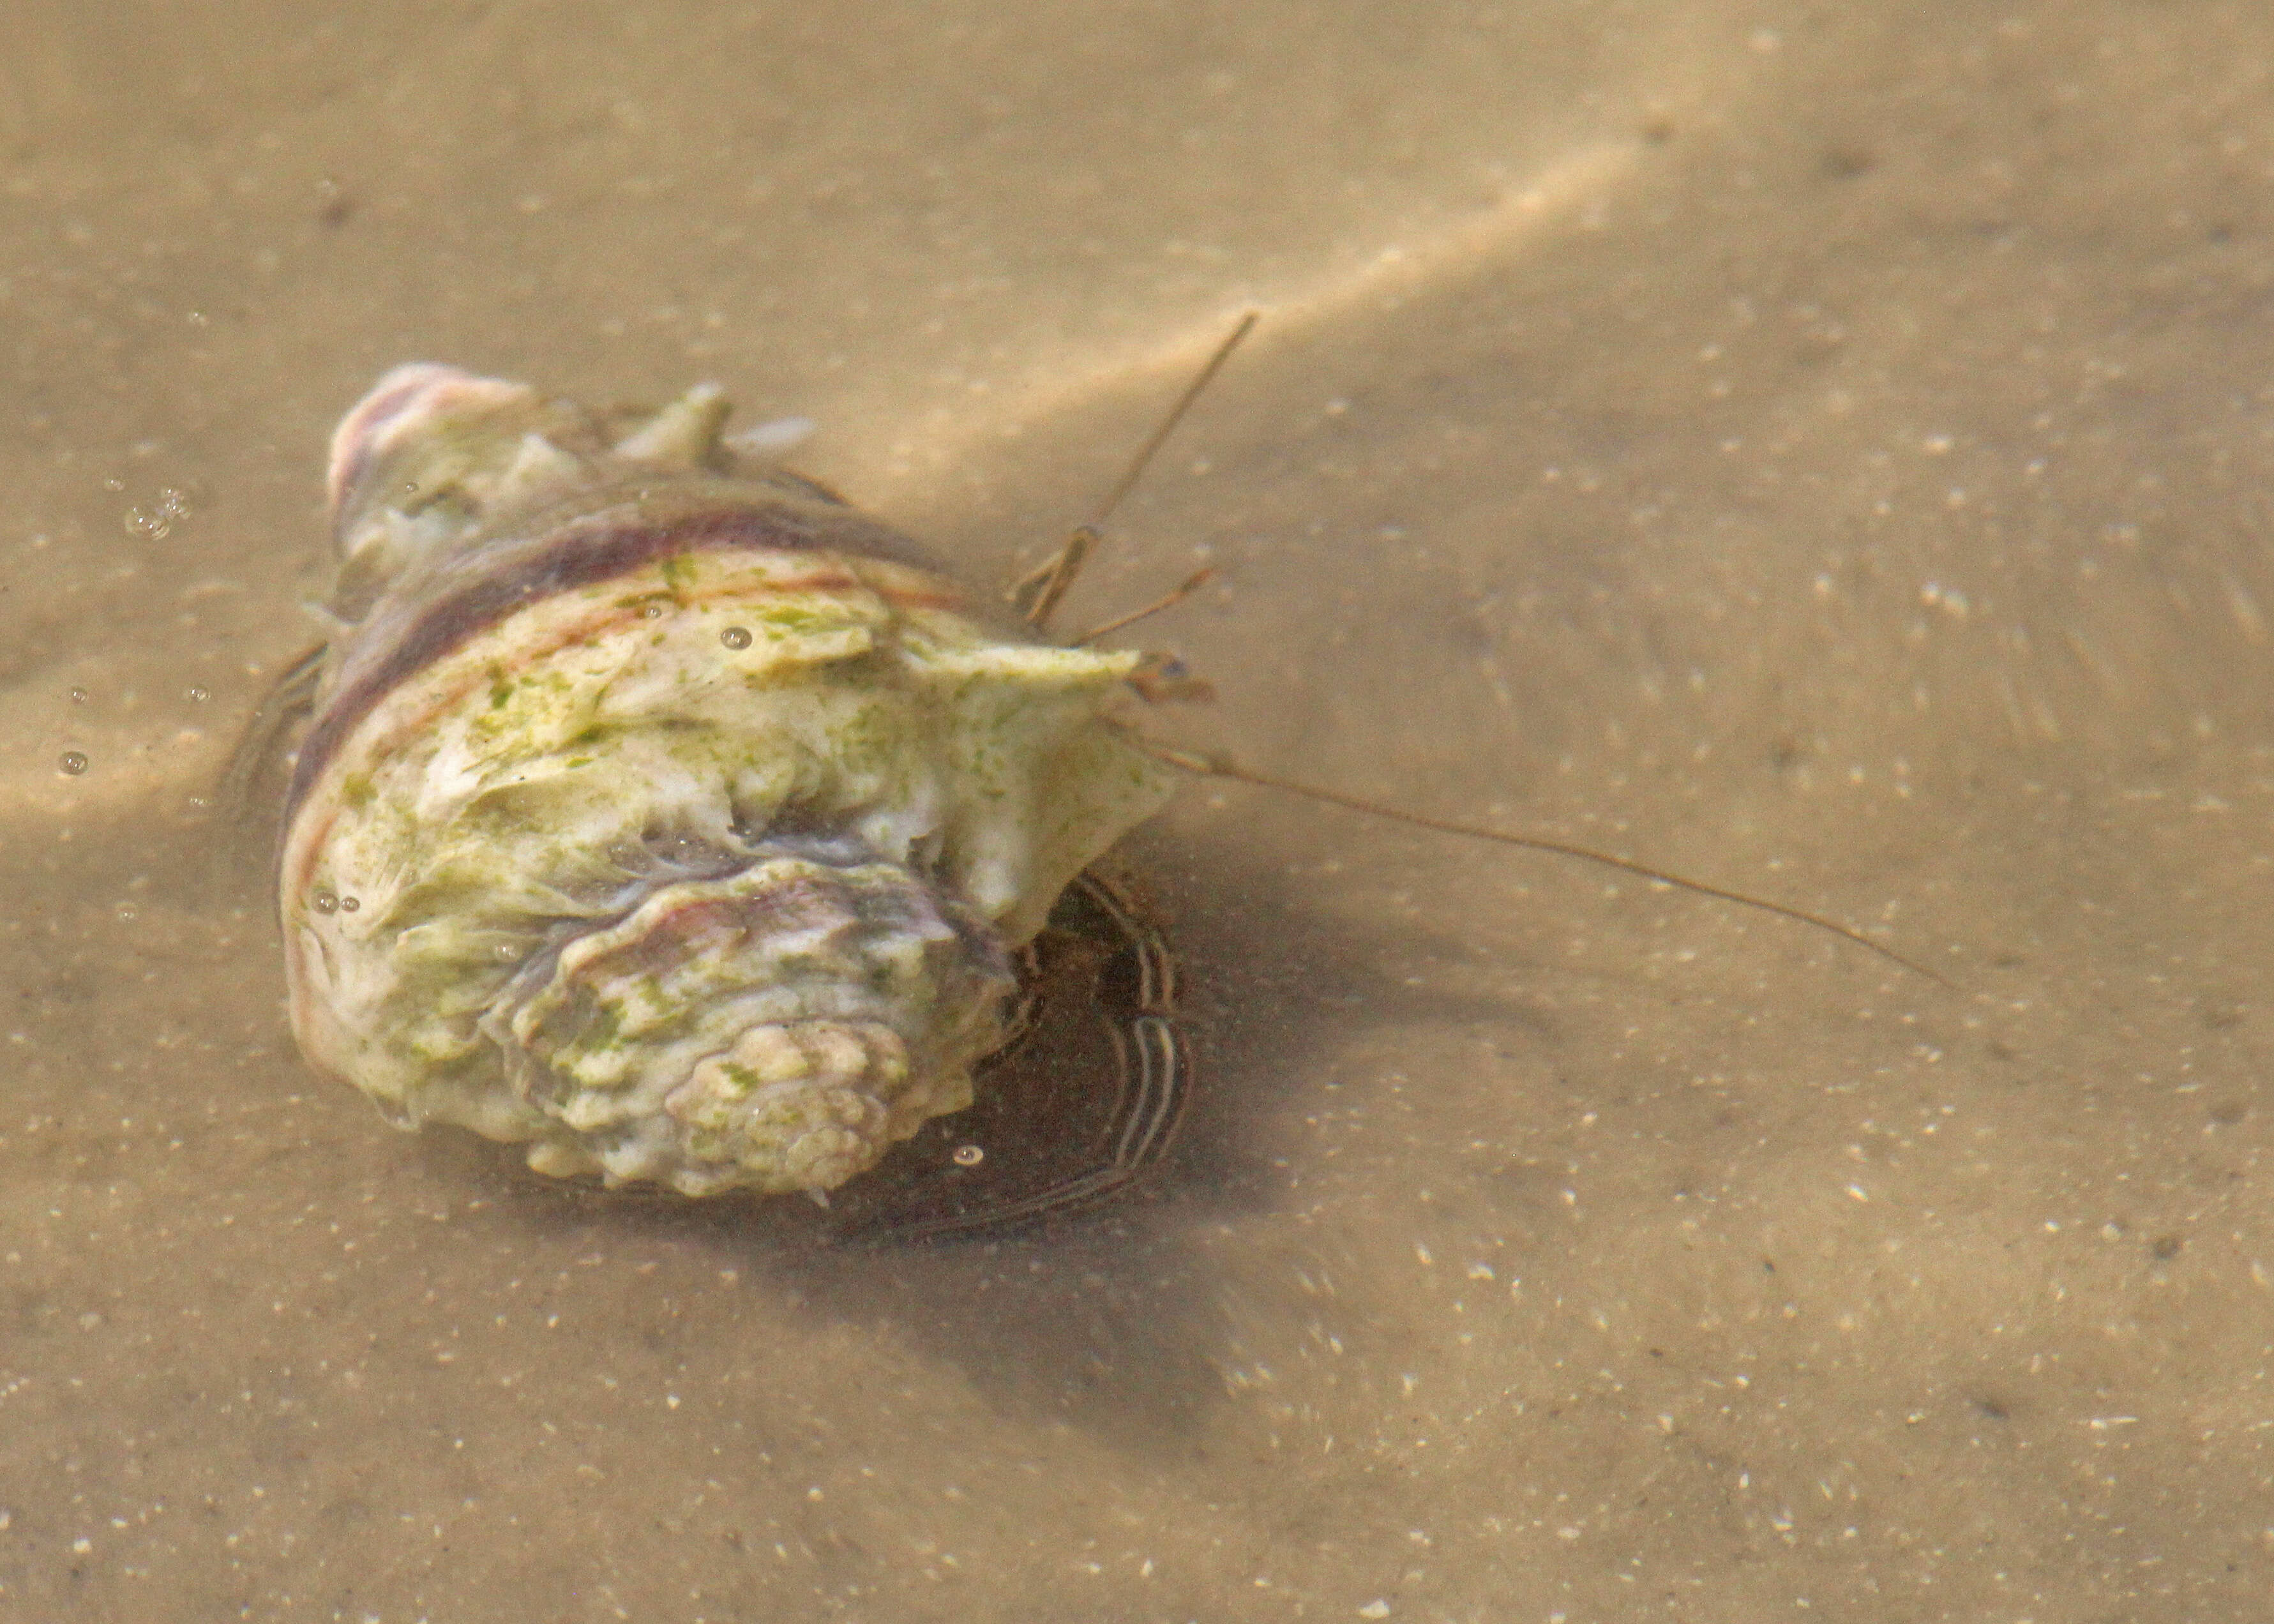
(662, 813)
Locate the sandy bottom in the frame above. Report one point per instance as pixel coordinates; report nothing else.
(1825, 456)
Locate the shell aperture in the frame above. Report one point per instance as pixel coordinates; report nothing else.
(665, 814)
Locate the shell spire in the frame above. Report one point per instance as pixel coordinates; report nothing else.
(659, 811)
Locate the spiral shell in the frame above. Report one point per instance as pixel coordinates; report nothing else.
(667, 814)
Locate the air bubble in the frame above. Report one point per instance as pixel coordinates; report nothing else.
(79, 696)
(197, 695)
(735, 636)
(324, 902)
(968, 1155)
(349, 905)
(156, 522)
(72, 763)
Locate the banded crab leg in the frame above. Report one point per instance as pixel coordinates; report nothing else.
(247, 821)
(1153, 1085)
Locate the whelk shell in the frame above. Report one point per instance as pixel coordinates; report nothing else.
(669, 816)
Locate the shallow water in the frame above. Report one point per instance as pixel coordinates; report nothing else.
(1821, 455)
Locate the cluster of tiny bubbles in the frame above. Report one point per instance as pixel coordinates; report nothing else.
(156, 522)
(71, 762)
(735, 636)
(968, 1155)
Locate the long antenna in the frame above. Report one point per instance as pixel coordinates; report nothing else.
(1151, 447)
(1223, 767)
(1036, 595)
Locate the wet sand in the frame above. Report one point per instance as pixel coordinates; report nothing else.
(1823, 457)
